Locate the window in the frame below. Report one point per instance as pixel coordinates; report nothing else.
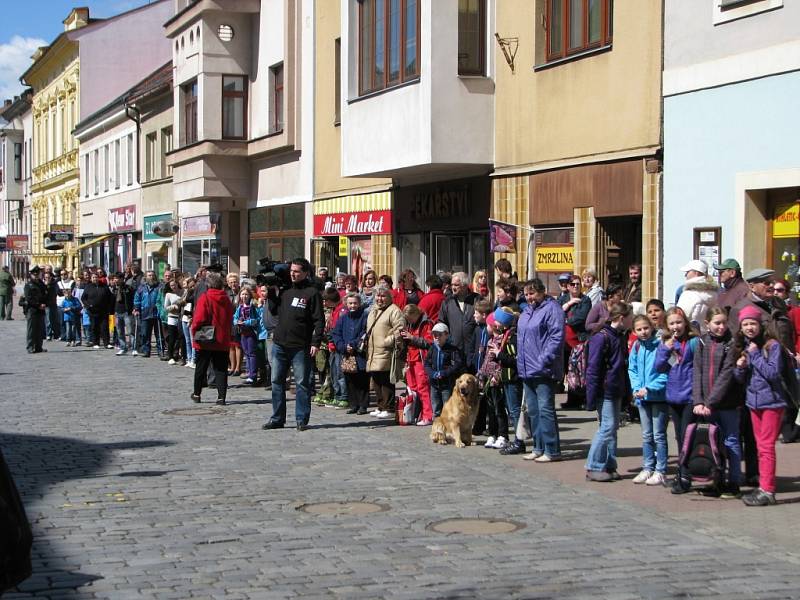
(388, 45)
(96, 173)
(150, 157)
(166, 148)
(190, 113)
(276, 98)
(471, 34)
(129, 165)
(574, 26)
(85, 175)
(106, 173)
(277, 232)
(17, 161)
(337, 81)
(117, 159)
(234, 107)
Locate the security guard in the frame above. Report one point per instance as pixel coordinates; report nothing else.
(35, 296)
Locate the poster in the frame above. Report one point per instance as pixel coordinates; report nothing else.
(709, 255)
(502, 237)
(360, 256)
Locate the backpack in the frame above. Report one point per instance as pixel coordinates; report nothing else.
(576, 368)
(702, 456)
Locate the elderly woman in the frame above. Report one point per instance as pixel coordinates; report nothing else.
(213, 309)
(346, 334)
(592, 287)
(577, 307)
(384, 324)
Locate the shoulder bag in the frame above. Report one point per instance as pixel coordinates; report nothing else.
(363, 343)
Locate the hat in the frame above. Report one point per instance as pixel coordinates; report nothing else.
(695, 265)
(441, 328)
(506, 319)
(35, 269)
(490, 320)
(751, 312)
(564, 277)
(728, 263)
(758, 275)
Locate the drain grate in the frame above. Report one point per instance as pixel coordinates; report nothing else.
(343, 508)
(475, 526)
(194, 412)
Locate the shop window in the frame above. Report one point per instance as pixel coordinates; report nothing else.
(471, 37)
(276, 107)
(277, 232)
(234, 107)
(189, 113)
(575, 26)
(388, 47)
(411, 256)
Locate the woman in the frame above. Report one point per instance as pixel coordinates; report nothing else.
(346, 334)
(172, 303)
(576, 310)
(480, 285)
(383, 335)
(598, 315)
(213, 309)
(592, 287)
(407, 292)
(98, 301)
(368, 283)
(186, 318)
(235, 351)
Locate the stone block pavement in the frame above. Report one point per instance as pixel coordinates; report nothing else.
(128, 501)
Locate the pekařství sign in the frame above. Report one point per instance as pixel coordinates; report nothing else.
(374, 222)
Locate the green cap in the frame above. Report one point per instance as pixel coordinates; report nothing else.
(728, 263)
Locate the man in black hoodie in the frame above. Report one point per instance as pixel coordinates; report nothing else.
(297, 338)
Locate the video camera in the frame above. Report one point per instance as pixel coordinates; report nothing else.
(274, 273)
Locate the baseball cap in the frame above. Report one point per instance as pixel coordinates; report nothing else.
(564, 277)
(758, 274)
(695, 265)
(728, 263)
(441, 328)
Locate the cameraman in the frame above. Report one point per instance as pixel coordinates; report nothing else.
(297, 337)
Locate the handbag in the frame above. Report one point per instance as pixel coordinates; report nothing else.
(349, 364)
(204, 334)
(363, 341)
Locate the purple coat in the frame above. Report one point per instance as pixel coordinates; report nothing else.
(762, 376)
(679, 375)
(605, 368)
(540, 341)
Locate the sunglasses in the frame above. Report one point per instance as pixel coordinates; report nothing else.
(780, 290)
(575, 284)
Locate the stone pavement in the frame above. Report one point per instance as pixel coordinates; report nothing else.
(129, 501)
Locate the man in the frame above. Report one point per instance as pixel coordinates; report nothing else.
(732, 286)
(35, 307)
(145, 308)
(691, 270)
(458, 312)
(297, 337)
(52, 317)
(431, 303)
(123, 314)
(563, 284)
(7, 292)
(322, 274)
(633, 290)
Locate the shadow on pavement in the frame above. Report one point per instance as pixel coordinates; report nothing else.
(38, 462)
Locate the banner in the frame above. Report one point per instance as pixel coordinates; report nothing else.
(122, 218)
(62, 233)
(555, 259)
(17, 242)
(502, 237)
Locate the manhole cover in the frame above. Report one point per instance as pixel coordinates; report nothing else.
(343, 508)
(194, 412)
(475, 526)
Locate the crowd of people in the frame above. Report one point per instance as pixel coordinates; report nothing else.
(724, 353)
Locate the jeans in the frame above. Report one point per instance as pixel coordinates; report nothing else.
(439, 397)
(513, 393)
(53, 321)
(62, 324)
(766, 428)
(147, 329)
(603, 451)
(681, 415)
(70, 327)
(540, 399)
(728, 422)
(187, 336)
(654, 417)
(337, 377)
(301, 363)
(123, 324)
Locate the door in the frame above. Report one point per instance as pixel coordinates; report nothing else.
(620, 240)
(479, 253)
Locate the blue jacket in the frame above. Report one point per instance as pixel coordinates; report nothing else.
(679, 375)
(762, 376)
(443, 364)
(540, 341)
(642, 371)
(74, 314)
(146, 301)
(605, 367)
(348, 330)
(254, 322)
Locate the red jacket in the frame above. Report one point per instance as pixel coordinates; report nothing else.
(215, 309)
(431, 304)
(401, 298)
(423, 332)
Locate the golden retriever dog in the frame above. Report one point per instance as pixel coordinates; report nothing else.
(458, 415)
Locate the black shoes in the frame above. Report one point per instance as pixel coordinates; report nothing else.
(272, 425)
(362, 411)
(195, 398)
(515, 447)
(301, 427)
(352, 411)
(759, 498)
(221, 401)
(680, 486)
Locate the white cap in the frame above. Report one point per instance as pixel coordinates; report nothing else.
(441, 328)
(695, 265)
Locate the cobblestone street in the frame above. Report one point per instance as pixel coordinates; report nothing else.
(131, 499)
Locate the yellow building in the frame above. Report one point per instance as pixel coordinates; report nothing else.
(54, 77)
(578, 135)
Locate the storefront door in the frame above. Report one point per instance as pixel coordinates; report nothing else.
(620, 246)
(461, 251)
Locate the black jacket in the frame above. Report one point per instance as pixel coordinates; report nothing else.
(97, 299)
(123, 299)
(35, 294)
(51, 291)
(461, 324)
(15, 534)
(301, 320)
(714, 364)
(447, 361)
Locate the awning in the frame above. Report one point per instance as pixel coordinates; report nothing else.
(94, 241)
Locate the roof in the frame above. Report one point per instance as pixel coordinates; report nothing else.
(19, 107)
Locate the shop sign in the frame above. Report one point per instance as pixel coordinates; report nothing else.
(554, 258)
(200, 226)
(441, 204)
(373, 222)
(17, 242)
(122, 218)
(344, 245)
(786, 223)
(502, 237)
(149, 222)
(62, 233)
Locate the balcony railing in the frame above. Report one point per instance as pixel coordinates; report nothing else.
(58, 166)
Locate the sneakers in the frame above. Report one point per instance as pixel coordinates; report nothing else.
(500, 443)
(424, 423)
(78, 343)
(134, 353)
(643, 476)
(341, 403)
(96, 347)
(191, 365)
(656, 479)
(759, 497)
(533, 455)
(248, 381)
(172, 362)
(489, 442)
(598, 476)
(109, 347)
(515, 447)
(545, 458)
(375, 413)
(69, 344)
(384, 414)
(121, 352)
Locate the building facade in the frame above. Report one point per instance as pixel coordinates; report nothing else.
(732, 166)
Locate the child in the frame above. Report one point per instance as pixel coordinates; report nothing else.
(328, 364)
(476, 355)
(248, 320)
(418, 338)
(675, 357)
(605, 387)
(713, 395)
(442, 366)
(489, 381)
(649, 395)
(759, 364)
(172, 305)
(72, 316)
(512, 386)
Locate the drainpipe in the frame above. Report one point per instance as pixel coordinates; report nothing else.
(136, 118)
